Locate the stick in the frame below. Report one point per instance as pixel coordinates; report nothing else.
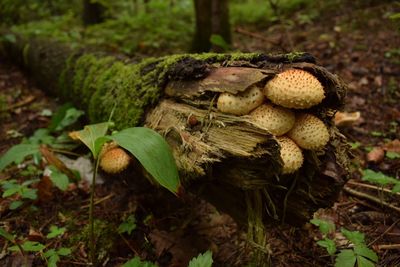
(372, 187)
(386, 247)
(370, 198)
(21, 103)
(384, 233)
(257, 36)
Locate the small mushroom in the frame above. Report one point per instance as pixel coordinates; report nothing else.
(274, 119)
(294, 88)
(309, 132)
(113, 159)
(242, 103)
(291, 155)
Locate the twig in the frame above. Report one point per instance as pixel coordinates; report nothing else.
(21, 103)
(372, 187)
(99, 201)
(257, 36)
(370, 198)
(129, 245)
(384, 233)
(387, 247)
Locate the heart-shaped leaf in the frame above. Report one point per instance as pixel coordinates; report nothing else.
(153, 152)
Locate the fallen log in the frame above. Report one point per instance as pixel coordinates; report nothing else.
(222, 157)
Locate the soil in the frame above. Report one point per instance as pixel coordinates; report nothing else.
(364, 53)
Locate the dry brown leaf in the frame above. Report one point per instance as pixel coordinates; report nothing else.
(45, 192)
(347, 118)
(392, 146)
(376, 155)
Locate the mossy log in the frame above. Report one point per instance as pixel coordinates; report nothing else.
(221, 157)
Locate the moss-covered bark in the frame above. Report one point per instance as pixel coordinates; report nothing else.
(222, 157)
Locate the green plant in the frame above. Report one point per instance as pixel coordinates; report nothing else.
(149, 148)
(52, 256)
(202, 260)
(63, 118)
(128, 225)
(381, 179)
(11, 188)
(358, 255)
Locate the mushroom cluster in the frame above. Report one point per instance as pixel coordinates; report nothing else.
(279, 108)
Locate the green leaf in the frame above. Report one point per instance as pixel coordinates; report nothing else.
(153, 152)
(64, 251)
(11, 191)
(136, 262)
(6, 235)
(16, 204)
(28, 193)
(396, 188)
(29, 246)
(64, 116)
(128, 225)
(329, 244)
(202, 260)
(366, 252)
(17, 154)
(346, 258)
(355, 237)
(55, 231)
(377, 177)
(58, 116)
(52, 260)
(325, 227)
(392, 155)
(218, 40)
(10, 38)
(71, 116)
(41, 136)
(59, 179)
(395, 16)
(364, 262)
(90, 134)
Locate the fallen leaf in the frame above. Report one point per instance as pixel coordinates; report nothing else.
(35, 235)
(347, 118)
(392, 146)
(45, 192)
(376, 155)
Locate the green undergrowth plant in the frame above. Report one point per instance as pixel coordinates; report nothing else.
(357, 254)
(381, 180)
(49, 252)
(54, 138)
(146, 145)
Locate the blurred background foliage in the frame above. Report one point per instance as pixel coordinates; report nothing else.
(135, 26)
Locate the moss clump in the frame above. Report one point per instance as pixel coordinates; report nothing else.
(105, 234)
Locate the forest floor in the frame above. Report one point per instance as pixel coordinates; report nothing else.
(365, 53)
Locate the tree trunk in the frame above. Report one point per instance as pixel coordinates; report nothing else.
(221, 157)
(201, 40)
(212, 17)
(93, 12)
(220, 22)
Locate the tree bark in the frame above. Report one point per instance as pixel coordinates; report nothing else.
(93, 12)
(212, 17)
(221, 157)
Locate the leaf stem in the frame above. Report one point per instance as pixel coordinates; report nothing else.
(91, 211)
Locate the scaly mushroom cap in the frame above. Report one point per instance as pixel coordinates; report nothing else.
(241, 103)
(291, 155)
(114, 160)
(294, 88)
(274, 119)
(309, 132)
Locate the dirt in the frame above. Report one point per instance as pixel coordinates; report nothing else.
(364, 53)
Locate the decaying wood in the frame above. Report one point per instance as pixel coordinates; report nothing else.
(223, 158)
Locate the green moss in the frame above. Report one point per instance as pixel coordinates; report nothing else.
(104, 232)
(97, 83)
